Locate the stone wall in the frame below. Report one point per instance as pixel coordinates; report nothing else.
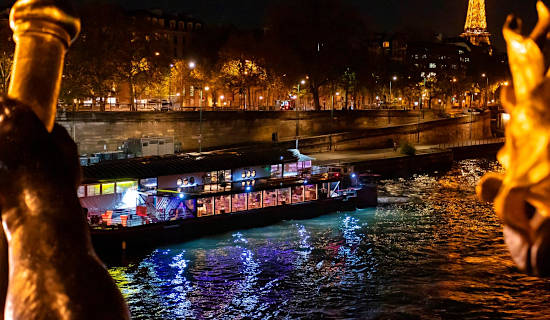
(95, 132)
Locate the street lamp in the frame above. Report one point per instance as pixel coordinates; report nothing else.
(394, 79)
(170, 85)
(297, 114)
(484, 75)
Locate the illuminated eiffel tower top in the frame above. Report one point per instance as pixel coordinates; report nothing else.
(475, 29)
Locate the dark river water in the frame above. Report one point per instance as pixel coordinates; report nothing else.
(439, 256)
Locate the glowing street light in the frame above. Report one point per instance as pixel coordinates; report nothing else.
(394, 79)
(192, 65)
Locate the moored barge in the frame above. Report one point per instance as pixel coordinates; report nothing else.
(136, 203)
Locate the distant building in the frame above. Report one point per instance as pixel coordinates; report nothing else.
(430, 58)
(176, 28)
(391, 48)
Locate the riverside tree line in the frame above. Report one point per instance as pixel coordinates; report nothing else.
(323, 45)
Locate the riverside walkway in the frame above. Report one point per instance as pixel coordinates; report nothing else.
(383, 159)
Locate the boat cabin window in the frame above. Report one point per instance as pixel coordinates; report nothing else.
(238, 203)
(205, 207)
(148, 184)
(284, 196)
(297, 194)
(304, 167)
(270, 198)
(223, 204)
(310, 192)
(122, 187)
(93, 190)
(254, 200)
(81, 192)
(108, 188)
(291, 169)
(276, 171)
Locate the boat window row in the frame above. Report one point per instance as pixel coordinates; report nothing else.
(99, 189)
(155, 209)
(255, 200)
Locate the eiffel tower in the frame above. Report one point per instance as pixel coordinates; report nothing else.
(475, 29)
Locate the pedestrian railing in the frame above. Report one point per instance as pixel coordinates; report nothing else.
(469, 143)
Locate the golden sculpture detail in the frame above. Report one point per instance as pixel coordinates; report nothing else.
(48, 266)
(475, 28)
(522, 195)
(42, 31)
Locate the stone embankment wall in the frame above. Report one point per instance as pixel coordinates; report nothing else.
(429, 132)
(96, 132)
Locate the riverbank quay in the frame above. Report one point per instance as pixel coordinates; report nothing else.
(317, 131)
(428, 158)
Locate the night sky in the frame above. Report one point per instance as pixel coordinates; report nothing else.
(444, 16)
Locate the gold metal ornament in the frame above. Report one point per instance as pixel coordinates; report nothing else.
(43, 31)
(521, 195)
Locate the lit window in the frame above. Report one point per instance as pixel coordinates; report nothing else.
(93, 190)
(284, 196)
(270, 198)
(122, 187)
(297, 194)
(433, 65)
(179, 182)
(386, 44)
(310, 192)
(276, 171)
(205, 207)
(253, 174)
(81, 192)
(108, 188)
(254, 200)
(291, 169)
(223, 204)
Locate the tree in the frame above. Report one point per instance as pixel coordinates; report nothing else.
(320, 37)
(90, 67)
(141, 55)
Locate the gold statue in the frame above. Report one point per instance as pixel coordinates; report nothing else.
(522, 195)
(45, 243)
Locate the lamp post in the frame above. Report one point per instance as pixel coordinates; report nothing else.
(484, 75)
(391, 98)
(200, 119)
(297, 113)
(170, 85)
(191, 66)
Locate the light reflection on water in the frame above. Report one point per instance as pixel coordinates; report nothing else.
(439, 256)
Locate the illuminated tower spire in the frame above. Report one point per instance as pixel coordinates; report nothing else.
(475, 29)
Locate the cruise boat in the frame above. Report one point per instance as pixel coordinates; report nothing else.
(142, 202)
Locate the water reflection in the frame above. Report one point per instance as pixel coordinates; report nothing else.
(439, 256)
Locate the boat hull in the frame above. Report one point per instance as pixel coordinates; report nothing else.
(146, 236)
